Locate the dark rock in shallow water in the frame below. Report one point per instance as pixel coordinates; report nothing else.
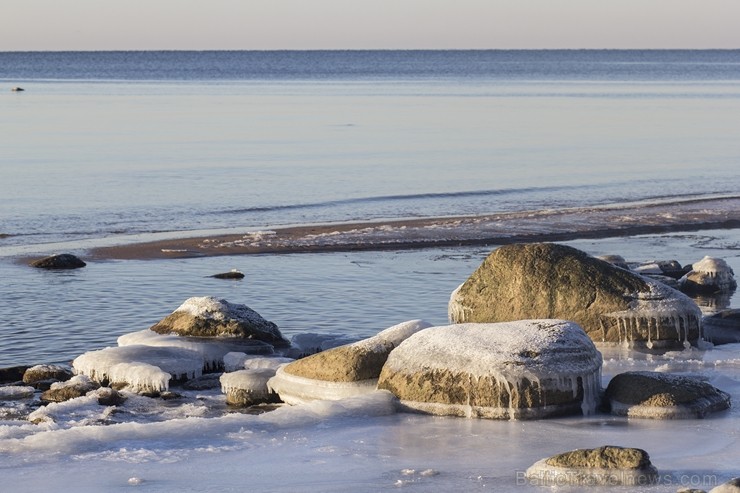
(668, 268)
(545, 280)
(109, 397)
(645, 394)
(722, 327)
(612, 466)
(61, 261)
(232, 274)
(12, 374)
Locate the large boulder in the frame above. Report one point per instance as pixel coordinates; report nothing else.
(645, 394)
(602, 466)
(343, 371)
(528, 369)
(545, 280)
(61, 261)
(213, 317)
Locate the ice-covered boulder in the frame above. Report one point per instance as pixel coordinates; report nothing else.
(142, 368)
(603, 466)
(545, 280)
(722, 327)
(214, 317)
(343, 371)
(248, 387)
(527, 369)
(60, 261)
(77, 386)
(709, 275)
(644, 394)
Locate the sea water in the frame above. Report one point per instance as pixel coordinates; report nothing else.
(117, 146)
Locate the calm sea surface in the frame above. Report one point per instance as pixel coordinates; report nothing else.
(113, 146)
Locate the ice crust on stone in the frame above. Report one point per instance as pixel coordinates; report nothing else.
(566, 357)
(300, 390)
(142, 367)
(15, 392)
(648, 311)
(210, 307)
(711, 272)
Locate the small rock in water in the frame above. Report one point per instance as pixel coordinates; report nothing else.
(232, 274)
(61, 261)
(12, 374)
(709, 275)
(608, 465)
(17, 89)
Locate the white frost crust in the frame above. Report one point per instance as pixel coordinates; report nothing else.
(144, 367)
(211, 350)
(400, 332)
(695, 410)
(502, 351)
(257, 363)
(234, 361)
(543, 473)
(647, 309)
(299, 390)
(15, 392)
(252, 381)
(210, 307)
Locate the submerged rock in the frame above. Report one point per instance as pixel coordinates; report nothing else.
(527, 369)
(603, 466)
(709, 275)
(61, 261)
(232, 274)
(544, 280)
(342, 371)
(213, 317)
(644, 394)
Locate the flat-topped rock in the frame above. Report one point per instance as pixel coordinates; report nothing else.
(527, 369)
(342, 371)
(645, 394)
(602, 466)
(214, 317)
(545, 280)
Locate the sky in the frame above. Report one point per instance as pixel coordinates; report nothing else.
(367, 24)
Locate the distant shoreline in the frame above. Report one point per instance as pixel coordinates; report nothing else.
(490, 229)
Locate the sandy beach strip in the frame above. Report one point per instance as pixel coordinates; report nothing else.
(489, 229)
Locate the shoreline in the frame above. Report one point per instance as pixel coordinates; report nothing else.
(432, 232)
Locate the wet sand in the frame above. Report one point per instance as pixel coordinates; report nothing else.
(490, 229)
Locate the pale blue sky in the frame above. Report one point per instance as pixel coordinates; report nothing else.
(356, 24)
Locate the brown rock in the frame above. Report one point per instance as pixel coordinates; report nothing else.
(544, 280)
(644, 394)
